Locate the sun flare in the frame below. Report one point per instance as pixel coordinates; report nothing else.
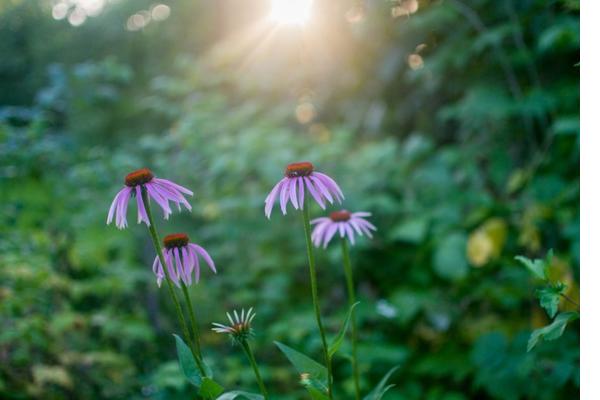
(291, 12)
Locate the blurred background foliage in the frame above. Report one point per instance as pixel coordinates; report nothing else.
(455, 122)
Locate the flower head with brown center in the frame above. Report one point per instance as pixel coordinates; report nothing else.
(343, 222)
(240, 328)
(182, 260)
(162, 191)
(301, 176)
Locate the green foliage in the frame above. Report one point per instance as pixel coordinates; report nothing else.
(209, 389)
(552, 331)
(313, 375)
(240, 394)
(550, 297)
(187, 363)
(337, 341)
(466, 160)
(382, 387)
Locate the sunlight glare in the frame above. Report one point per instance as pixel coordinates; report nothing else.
(293, 12)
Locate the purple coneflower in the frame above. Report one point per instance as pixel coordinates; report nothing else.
(291, 188)
(181, 257)
(344, 222)
(240, 328)
(161, 190)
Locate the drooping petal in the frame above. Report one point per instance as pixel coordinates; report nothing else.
(204, 254)
(318, 220)
(121, 210)
(330, 183)
(314, 193)
(180, 271)
(350, 232)
(173, 273)
(284, 195)
(169, 191)
(329, 234)
(115, 204)
(270, 200)
(293, 184)
(175, 186)
(341, 228)
(318, 232)
(301, 193)
(142, 215)
(356, 226)
(160, 200)
(321, 188)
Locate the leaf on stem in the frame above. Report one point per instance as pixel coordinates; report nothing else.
(550, 297)
(339, 338)
(240, 394)
(382, 386)
(552, 331)
(187, 362)
(314, 375)
(209, 389)
(538, 267)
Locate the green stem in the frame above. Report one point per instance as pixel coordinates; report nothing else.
(250, 355)
(163, 264)
(351, 301)
(195, 335)
(315, 297)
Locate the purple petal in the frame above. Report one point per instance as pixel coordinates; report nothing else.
(329, 233)
(204, 254)
(114, 204)
(331, 185)
(175, 186)
(121, 210)
(301, 193)
(284, 195)
(160, 200)
(294, 183)
(322, 188)
(142, 215)
(270, 200)
(314, 193)
(350, 232)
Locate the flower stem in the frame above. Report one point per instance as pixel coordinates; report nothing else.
(250, 355)
(163, 264)
(195, 335)
(351, 301)
(315, 297)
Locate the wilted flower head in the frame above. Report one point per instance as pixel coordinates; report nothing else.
(343, 222)
(291, 188)
(240, 328)
(181, 257)
(160, 190)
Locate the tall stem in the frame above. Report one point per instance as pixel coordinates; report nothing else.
(250, 355)
(163, 264)
(351, 301)
(315, 297)
(195, 335)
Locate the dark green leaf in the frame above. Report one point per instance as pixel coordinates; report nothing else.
(187, 362)
(209, 388)
(552, 331)
(313, 374)
(537, 267)
(240, 394)
(381, 387)
(550, 297)
(339, 338)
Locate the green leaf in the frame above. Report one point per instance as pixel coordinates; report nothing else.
(241, 394)
(315, 393)
(313, 374)
(209, 388)
(187, 362)
(449, 260)
(381, 387)
(550, 297)
(552, 331)
(537, 267)
(339, 338)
